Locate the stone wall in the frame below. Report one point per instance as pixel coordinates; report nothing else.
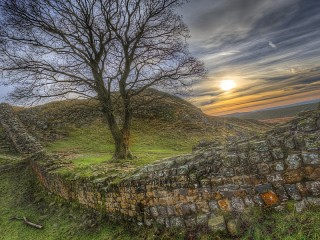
(198, 189)
(22, 140)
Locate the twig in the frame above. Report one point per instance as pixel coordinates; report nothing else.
(25, 220)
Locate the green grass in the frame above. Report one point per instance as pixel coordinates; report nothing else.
(92, 144)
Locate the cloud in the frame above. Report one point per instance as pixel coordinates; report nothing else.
(271, 44)
(237, 39)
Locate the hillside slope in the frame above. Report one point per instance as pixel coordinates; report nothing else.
(169, 126)
(172, 111)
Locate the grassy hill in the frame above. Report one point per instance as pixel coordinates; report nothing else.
(166, 127)
(278, 113)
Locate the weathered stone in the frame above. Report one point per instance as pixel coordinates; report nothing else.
(182, 170)
(313, 201)
(300, 206)
(160, 220)
(277, 153)
(265, 156)
(254, 157)
(148, 222)
(313, 187)
(264, 188)
(281, 192)
(260, 146)
(275, 177)
(299, 140)
(233, 227)
(302, 189)
(224, 204)
(307, 125)
(289, 143)
(312, 142)
(243, 146)
(213, 205)
(293, 191)
(311, 158)
(154, 212)
(190, 222)
(203, 206)
(216, 223)
(231, 160)
(311, 173)
(273, 141)
(258, 200)
(293, 176)
(171, 211)
(176, 222)
(270, 198)
(237, 204)
(202, 219)
(263, 168)
(243, 159)
(293, 161)
(188, 209)
(162, 211)
(248, 201)
(228, 172)
(277, 166)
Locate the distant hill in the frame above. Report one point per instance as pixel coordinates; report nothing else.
(282, 113)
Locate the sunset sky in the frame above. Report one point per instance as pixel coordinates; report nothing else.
(270, 49)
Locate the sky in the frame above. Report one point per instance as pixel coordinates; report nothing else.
(270, 49)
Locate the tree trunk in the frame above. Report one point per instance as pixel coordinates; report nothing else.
(121, 137)
(122, 150)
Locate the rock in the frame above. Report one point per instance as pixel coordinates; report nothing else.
(216, 223)
(263, 168)
(313, 187)
(293, 161)
(293, 176)
(202, 219)
(237, 204)
(264, 188)
(300, 206)
(293, 191)
(277, 153)
(270, 198)
(260, 146)
(224, 204)
(275, 177)
(233, 227)
(311, 158)
(281, 192)
(307, 125)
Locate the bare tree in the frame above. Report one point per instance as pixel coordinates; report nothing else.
(112, 50)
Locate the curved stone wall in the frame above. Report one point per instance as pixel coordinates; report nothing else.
(198, 189)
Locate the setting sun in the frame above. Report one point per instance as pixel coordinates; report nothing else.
(227, 85)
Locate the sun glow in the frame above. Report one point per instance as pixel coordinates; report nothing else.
(227, 85)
